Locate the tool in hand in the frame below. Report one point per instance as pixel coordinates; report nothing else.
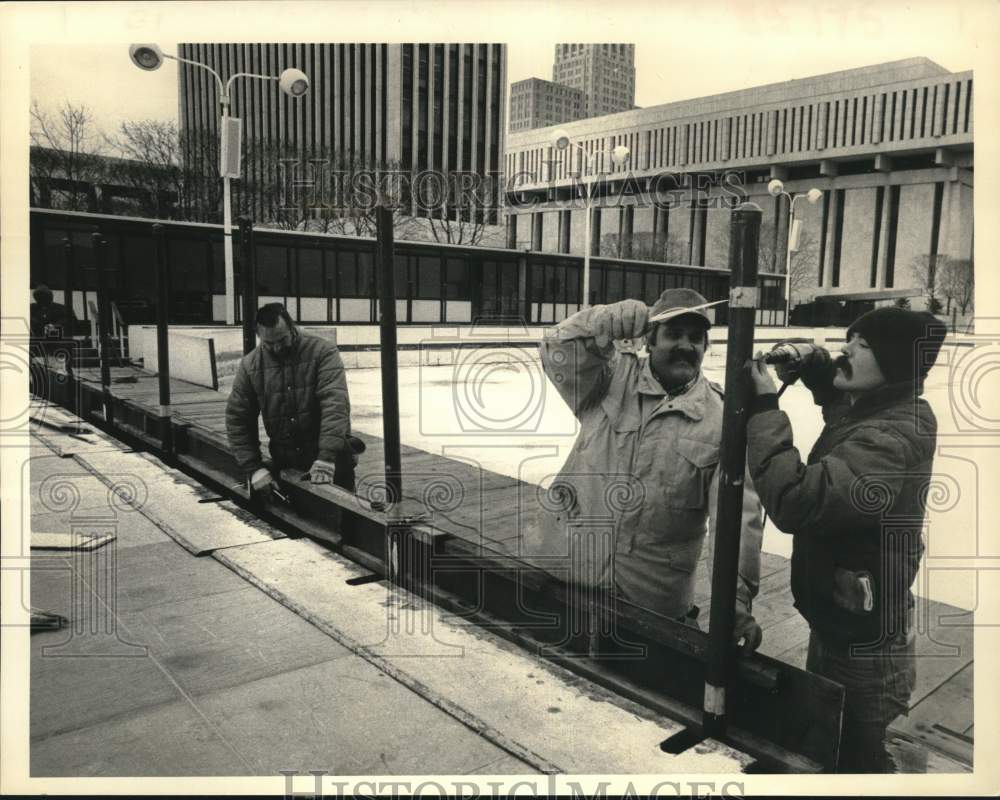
(670, 313)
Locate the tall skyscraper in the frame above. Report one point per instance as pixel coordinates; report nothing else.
(536, 103)
(415, 106)
(605, 73)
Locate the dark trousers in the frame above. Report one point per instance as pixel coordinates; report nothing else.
(878, 685)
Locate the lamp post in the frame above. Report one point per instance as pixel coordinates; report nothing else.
(774, 188)
(292, 82)
(619, 155)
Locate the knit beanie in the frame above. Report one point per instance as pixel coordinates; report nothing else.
(905, 343)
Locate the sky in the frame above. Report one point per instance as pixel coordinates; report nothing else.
(693, 55)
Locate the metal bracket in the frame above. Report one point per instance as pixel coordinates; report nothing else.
(743, 297)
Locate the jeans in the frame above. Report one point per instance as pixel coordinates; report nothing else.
(878, 685)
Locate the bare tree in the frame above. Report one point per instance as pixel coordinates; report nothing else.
(924, 269)
(956, 280)
(804, 272)
(644, 246)
(66, 155)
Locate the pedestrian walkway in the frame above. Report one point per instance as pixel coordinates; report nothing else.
(174, 665)
(264, 654)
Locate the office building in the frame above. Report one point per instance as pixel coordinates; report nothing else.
(419, 107)
(890, 146)
(605, 73)
(536, 103)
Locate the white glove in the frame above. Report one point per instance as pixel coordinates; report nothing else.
(262, 480)
(321, 471)
(627, 319)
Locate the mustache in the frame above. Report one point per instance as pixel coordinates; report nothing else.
(841, 363)
(686, 356)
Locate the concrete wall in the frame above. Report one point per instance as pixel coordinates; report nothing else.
(913, 233)
(856, 245)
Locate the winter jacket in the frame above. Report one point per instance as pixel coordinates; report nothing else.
(855, 508)
(642, 475)
(303, 399)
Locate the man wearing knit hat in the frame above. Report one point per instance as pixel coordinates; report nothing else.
(852, 572)
(642, 477)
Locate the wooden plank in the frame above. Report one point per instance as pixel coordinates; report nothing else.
(950, 704)
(785, 636)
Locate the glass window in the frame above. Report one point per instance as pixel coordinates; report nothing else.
(366, 273)
(310, 282)
(457, 280)
(428, 278)
(140, 264)
(272, 270)
(614, 285)
(573, 283)
(633, 284)
(347, 274)
(402, 275)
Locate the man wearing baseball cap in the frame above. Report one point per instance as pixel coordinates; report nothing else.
(642, 476)
(852, 562)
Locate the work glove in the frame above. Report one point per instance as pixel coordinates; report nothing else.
(627, 319)
(321, 471)
(261, 483)
(760, 378)
(747, 634)
(813, 365)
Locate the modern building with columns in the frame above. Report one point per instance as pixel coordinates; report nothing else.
(890, 146)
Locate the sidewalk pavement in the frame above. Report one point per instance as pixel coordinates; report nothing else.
(173, 665)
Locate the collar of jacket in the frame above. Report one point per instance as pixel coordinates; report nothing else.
(878, 399)
(690, 402)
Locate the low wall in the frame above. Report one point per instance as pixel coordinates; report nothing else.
(419, 345)
(192, 358)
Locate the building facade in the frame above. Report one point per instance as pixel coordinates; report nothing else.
(417, 107)
(890, 146)
(605, 73)
(535, 103)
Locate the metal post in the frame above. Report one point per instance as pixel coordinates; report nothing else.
(248, 278)
(162, 335)
(103, 312)
(227, 227)
(788, 261)
(586, 252)
(387, 338)
(743, 241)
(71, 384)
(69, 276)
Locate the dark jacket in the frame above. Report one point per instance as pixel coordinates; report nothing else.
(857, 505)
(60, 317)
(303, 399)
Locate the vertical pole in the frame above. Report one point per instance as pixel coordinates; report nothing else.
(586, 255)
(387, 338)
(69, 277)
(248, 277)
(72, 385)
(103, 311)
(227, 225)
(788, 262)
(744, 237)
(162, 335)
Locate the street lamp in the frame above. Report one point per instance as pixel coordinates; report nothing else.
(292, 82)
(774, 188)
(619, 155)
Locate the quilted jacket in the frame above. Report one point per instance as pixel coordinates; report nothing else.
(304, 402)
(856, 504)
